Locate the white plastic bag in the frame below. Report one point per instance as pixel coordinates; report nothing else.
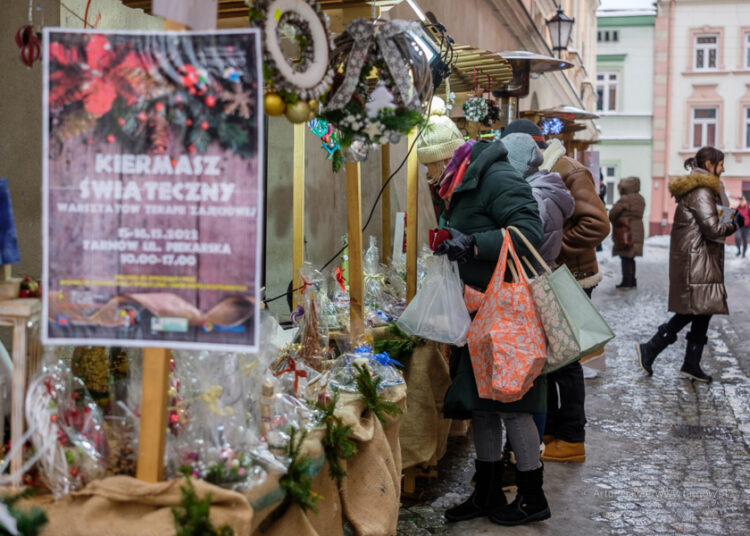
(438, 312)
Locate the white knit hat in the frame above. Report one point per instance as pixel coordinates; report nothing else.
(440, 137)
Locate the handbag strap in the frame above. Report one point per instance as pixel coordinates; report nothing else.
(531, 249)
(519, 275)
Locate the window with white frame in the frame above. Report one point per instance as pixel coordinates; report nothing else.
(747, 50)
(705, 126)
(706, 52)
(747, 127)
(610, 180)
(606, 92)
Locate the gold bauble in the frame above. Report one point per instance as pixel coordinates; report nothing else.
(274, 104)
(311, 116)
(314, 105)
(297, 112)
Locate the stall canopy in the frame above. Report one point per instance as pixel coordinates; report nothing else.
(238, 8)
(491, 70)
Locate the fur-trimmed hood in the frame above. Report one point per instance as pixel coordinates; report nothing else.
(680, 186)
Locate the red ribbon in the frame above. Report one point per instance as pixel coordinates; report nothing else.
(340, 279)
(297, 373)
(305, 284)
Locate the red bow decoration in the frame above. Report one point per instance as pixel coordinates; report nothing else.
(293, 368)
(30, 44)
(340, 279)
(305, 284)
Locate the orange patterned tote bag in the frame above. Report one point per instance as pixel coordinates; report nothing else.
(506, 339)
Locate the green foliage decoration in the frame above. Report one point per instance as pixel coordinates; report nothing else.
(297, 482)
(337, 442)
(192, 518)
(28, 522)
(369, 388)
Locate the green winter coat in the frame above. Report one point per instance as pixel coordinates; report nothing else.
(492, 195)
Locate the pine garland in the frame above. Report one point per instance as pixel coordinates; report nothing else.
(297, 482)
(28, 522)
(337, 442)
(399, 345)
(192, 518)
(368, 387)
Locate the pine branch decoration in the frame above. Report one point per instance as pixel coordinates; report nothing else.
(297, 482)
(337, 442)
(28, 522)
(399, 345)
(192, 518)
(368, 387)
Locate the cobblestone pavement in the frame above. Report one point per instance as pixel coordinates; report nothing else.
(664, 455)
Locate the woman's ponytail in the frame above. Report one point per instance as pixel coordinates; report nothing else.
(705, 154)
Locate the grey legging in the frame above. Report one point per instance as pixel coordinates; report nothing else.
(522, 434)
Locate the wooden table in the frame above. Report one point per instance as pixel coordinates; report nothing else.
(16, 314)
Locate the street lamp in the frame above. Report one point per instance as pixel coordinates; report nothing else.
(560, 26)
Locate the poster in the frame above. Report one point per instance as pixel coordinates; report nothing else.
(152, 215)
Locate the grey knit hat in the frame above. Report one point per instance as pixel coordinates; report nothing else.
(523, 153)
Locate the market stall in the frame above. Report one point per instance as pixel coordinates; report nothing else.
(168, 398)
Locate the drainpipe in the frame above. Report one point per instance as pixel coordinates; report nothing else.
(667, 136)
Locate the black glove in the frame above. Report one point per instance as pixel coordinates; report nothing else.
(459, 247)
(738, 220)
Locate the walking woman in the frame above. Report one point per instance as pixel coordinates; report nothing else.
(483, 194)
(741, 238)
(627, 228)
(696, 262)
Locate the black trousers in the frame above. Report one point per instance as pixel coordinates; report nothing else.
(628, 270)
(566, 397)
(698, 326)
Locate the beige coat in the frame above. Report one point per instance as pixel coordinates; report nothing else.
(696, 252)
(630, 206)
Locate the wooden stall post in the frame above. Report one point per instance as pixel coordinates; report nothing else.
(153, 433)
(385, 201)
(298, 207)
(412, 218)
(354, 234)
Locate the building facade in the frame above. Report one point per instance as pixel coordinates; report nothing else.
(624, 78)
(701, 94)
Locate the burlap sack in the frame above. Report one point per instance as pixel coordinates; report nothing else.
(294, 522)
(424, 431)
(268, 496)
(124, 506)
(371, 491)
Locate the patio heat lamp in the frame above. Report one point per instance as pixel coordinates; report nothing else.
(523, 64)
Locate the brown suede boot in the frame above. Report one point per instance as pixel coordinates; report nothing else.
(562, 451)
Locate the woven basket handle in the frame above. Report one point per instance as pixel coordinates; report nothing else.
(531, 249)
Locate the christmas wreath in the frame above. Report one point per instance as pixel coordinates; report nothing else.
(382, 79)
(147, 98)
(475, 109)
(296, 84)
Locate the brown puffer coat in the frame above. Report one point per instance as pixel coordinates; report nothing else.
(588, 225)
(631, 206)
(696, 251)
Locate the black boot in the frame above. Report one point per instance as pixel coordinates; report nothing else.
(647, 352)
(529, 505)
(487, 495)
(691, 368)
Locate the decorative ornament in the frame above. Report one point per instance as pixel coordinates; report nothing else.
(238, 102)
(404, 83)
(304, 22)
(28, 41)
(273, 104)
(553, 125)
(475, 109)
(298, 112)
